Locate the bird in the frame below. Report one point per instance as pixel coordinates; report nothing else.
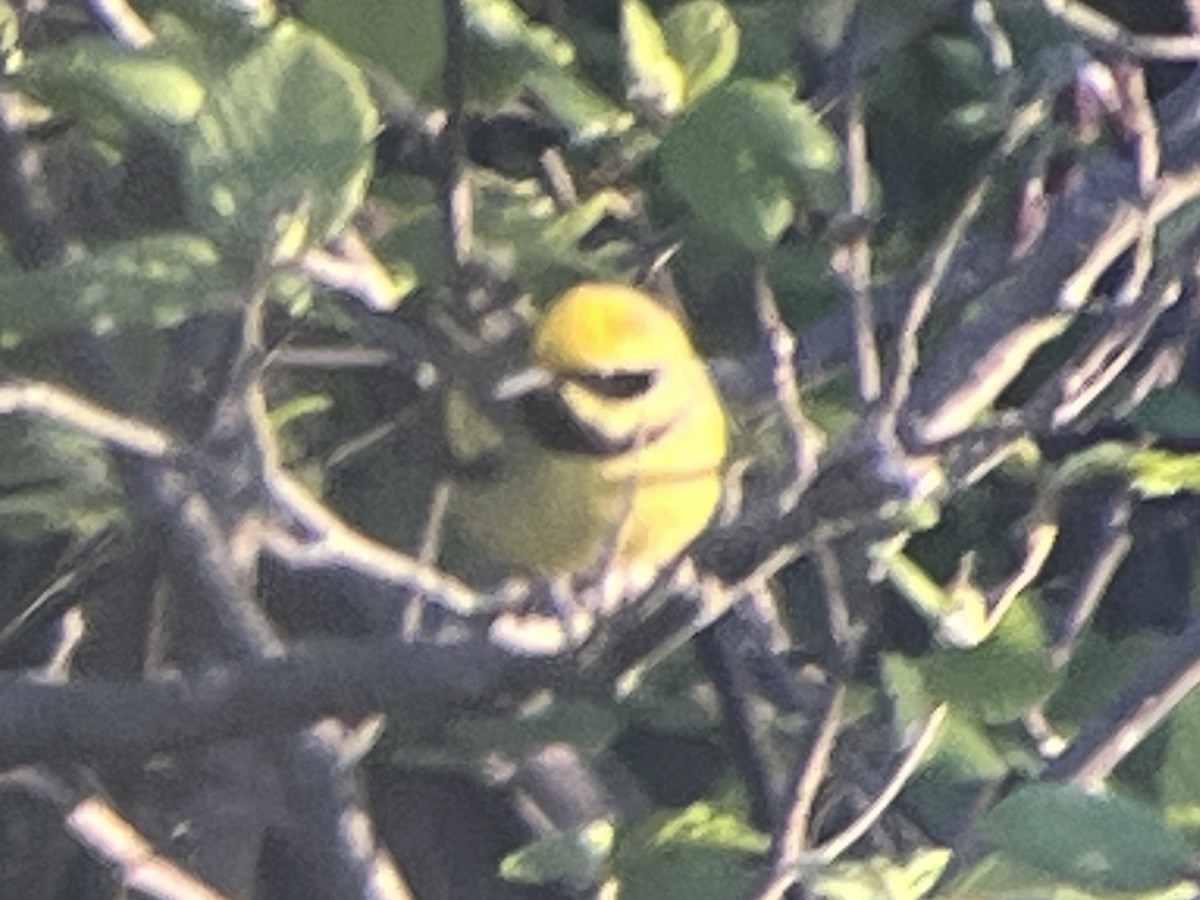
(603, 454)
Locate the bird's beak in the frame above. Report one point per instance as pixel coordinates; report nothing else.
(522, 382)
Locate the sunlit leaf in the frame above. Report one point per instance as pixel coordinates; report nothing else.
(879, 877)
(703, 38)
(747, 157)
(292, 118)
(97, 79)
(577, 855)
(652, 77)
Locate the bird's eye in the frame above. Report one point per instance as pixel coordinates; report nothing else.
(616, 385)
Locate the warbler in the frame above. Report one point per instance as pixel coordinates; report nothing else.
(606, 454)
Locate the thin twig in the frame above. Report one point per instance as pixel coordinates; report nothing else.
(1086, 232)
(937, 261)
(791, 840)
(109, 836)
(837, 606)
(332, 543)
(917, 752)
(721, 664)
(455, 189)
(122, 22)
(780, 880)
(1083, 378)
(117, 430)
(1106, 559)
(1096, 26)
(1169, 676)
(855, 268)
(781, 344)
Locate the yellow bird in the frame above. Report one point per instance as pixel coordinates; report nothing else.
(606, 456)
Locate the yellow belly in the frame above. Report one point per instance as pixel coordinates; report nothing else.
(571, 513)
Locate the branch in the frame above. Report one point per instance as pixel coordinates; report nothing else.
(1108, 738)
(40, 721)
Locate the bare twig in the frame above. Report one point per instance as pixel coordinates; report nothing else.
(937, 261)
(1096, 26)
(117, 430)
(837, 605)
(100, 828)
(1080, 381)
(454, 188)
(804, 439)
(1087, 230)
(1106, 559)
(332, 543)
(1162, 685)
(721, 664)
(923, 741)
(855, 255)
(779, 881)
(122, 22)
(791, 838)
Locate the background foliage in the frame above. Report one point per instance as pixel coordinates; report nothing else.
(939, 644)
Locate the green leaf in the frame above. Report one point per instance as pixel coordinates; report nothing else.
(1179, 771)
(54, 478)
(517, 220)
(701, 852)
(746, 157)
(406, 37)
(577, 855)
(705, 825)
(110, 87)
(652, 78)
(964, 751)
(508, 53)
(585, 725)
(998, 680)
(291, 119)
(1104, 842)
(504, 47)
(703, 38)
(157, 281)
(586, 114)
(879, 877)
(998, 877)
(1172, 410)
(1161, 473)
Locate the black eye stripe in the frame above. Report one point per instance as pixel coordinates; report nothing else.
(551, 421)
(615, 385)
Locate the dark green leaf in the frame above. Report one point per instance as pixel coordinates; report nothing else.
(1173, 410)
(998, 680)
(156, 281)
(1104, 842)
(404, 36)
(508, 53)
(54, 478)
(1179, 771)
